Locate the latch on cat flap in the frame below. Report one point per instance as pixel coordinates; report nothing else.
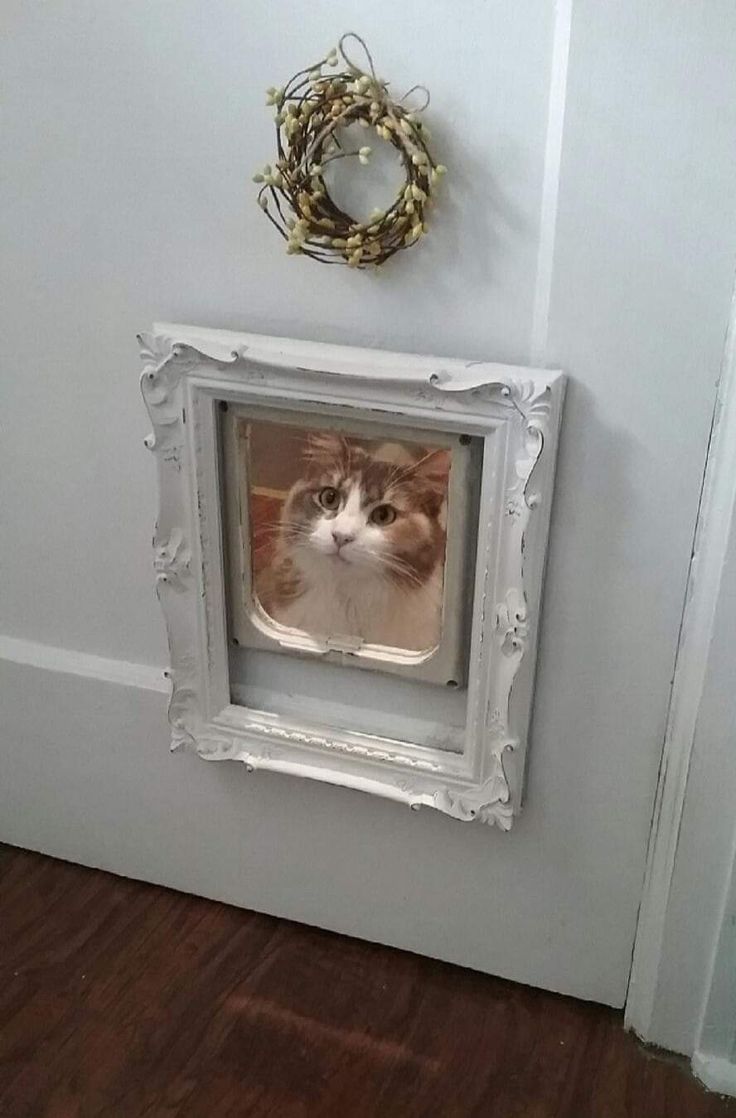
(349, 556)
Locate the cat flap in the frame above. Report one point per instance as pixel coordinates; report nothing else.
(349, 541)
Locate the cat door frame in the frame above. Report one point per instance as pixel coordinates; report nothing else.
(445, 664)
(515, 411)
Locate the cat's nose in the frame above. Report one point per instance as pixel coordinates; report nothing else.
(341, 538)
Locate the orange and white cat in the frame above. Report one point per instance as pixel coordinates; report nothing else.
(361, 544)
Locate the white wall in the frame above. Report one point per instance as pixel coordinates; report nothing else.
(130, 134)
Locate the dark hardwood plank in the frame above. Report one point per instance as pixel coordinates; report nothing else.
(123, 1000)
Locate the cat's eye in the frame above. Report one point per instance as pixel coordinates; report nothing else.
(383, 515)
(329, 498)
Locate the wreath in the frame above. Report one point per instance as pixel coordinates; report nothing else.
(312, 109)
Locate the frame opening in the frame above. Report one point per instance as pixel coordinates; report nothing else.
(350, 540)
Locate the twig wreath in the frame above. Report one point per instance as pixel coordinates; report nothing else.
(311, 110)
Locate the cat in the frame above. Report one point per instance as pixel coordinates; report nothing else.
(361, 544)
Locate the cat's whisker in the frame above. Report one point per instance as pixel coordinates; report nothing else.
(404, 567)
(405, 575)
(400, 567)
(292, 530)
(269, 525)
(269, 533)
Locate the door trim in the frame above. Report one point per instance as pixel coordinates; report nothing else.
(711, 537)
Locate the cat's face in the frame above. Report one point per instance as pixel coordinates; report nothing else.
(355, 512)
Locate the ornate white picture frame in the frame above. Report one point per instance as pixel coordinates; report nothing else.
(189, 372)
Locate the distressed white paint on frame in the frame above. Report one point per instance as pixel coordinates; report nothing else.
(517, 413)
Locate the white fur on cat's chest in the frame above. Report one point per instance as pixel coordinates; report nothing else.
(340, 601)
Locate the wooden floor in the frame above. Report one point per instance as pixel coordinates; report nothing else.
(123, 999)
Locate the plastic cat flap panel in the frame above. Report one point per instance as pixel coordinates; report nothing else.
(350, 541)
(349, 555)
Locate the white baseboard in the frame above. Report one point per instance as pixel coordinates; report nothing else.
(717, 1073)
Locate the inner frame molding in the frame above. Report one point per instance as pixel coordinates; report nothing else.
(514, 410)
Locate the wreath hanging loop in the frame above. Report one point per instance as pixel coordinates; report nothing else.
(311, 111)
(348, 61)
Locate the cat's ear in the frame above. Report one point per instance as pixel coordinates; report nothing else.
(324, 449)
(434, 468)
